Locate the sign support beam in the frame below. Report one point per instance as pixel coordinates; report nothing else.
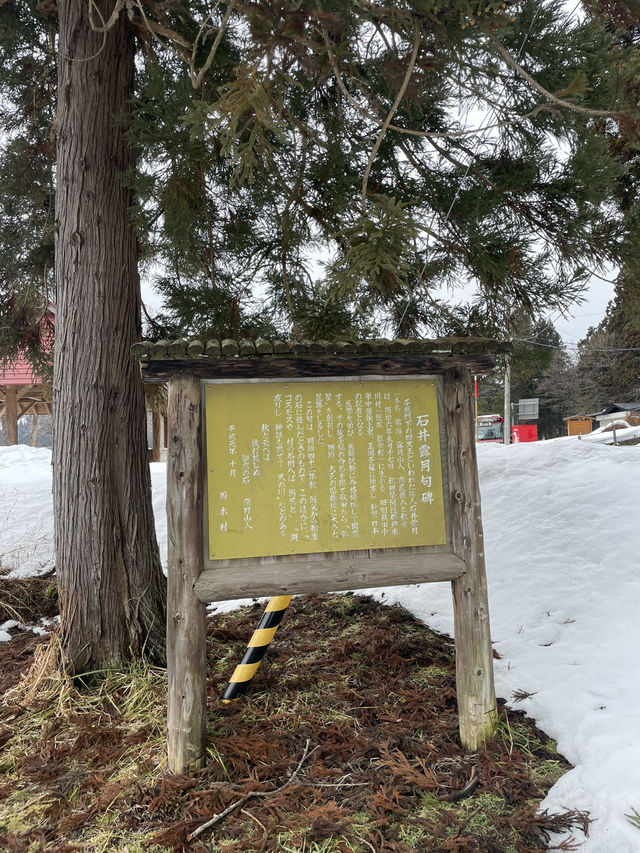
(186, 616)
(474, 655)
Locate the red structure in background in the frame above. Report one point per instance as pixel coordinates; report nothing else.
(21, 391)
(490, 429)
(524, 432)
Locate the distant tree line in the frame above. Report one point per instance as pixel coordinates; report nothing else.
(603, 369)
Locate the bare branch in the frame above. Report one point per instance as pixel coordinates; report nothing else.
(539, 88)
(394, 107)
(217, 818)
(459, 134)
(196, 79)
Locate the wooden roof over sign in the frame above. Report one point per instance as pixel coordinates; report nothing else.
(244, 358)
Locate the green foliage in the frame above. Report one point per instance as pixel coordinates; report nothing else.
(391, 141)
(209, 312)
(27, 92)
(289, 126)
(375, 253)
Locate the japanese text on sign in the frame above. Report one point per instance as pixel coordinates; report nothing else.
(303, 467)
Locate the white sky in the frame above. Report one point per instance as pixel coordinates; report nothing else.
(574, 327)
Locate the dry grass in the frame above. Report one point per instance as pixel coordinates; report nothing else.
(371, 691)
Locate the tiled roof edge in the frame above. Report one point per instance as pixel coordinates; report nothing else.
(199, 349)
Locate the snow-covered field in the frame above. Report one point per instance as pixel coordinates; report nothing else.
(562, 533)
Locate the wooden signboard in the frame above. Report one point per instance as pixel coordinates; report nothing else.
(307, 474)
(319, 485)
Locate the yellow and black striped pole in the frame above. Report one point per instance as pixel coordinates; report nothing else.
(258, 645)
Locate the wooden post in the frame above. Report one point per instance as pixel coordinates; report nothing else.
(154, 456)
(507, 401)
(474, 656)
(34, 430)
(10, 420)
(186, 616)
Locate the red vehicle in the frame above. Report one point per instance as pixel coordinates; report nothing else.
(490, 429)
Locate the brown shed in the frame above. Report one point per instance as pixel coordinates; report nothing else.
(579, 424)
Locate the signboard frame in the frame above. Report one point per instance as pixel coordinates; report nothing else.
(189, 583)
(324, 571)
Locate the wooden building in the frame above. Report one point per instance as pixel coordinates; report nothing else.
(22, 392)
(629, 412)
(579, 424)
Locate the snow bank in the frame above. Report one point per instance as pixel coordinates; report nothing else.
(26, 520)
(562, 543)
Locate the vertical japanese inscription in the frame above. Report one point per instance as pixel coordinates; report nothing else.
(305, 467)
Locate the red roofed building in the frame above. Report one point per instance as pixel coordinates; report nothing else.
(21, 394)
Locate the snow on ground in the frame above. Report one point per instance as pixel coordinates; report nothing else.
(562, 537)
(26, 519)
(562, 543)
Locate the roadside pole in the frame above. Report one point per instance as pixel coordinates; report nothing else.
(507, 401)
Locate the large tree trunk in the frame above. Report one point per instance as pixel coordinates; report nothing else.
(112, 589)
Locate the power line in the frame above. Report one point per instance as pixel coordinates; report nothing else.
(576, 346)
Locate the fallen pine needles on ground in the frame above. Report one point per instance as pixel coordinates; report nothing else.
(347, 742)
(27, 599)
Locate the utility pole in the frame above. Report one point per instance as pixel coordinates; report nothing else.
(507, 401)
(475, 397)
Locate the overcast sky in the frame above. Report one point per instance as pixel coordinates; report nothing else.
(574, 326)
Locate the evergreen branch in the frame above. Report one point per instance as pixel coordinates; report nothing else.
(539, 88)
(285, 243)
(407, 131)
(392, 111)
(196, 79)
(601, 277)
(192, 64)
(312, 212)
(305, 130)
(285, 275)
(157, 29)
(448, 244)
(541, 228)
(382, 12)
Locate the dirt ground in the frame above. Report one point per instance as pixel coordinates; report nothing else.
(346, 742)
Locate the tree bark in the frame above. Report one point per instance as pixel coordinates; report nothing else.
(34, 430)
(10, 419)
(112, 589)
(156, 449)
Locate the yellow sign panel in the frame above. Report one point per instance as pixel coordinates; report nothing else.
(302, 467)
